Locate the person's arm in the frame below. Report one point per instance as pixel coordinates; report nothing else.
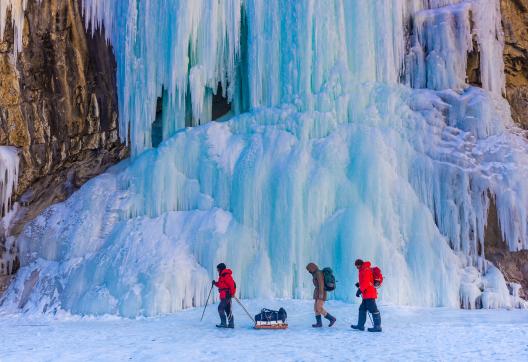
(220, 284)
(320, 284)
(364, 280)
(231, 286)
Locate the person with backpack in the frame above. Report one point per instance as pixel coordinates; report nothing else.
(367, 289)
(227, 289)
(320, 295)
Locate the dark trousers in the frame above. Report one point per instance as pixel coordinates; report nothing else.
(370, 306)
(224, 310)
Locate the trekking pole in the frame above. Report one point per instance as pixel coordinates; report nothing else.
(206, 302)
(245, 310)
(370, 317)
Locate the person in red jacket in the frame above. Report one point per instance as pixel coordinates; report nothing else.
(369, 293)
(227, 289)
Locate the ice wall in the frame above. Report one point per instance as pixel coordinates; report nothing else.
(355, 135)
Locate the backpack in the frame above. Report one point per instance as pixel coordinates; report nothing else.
(268, 315)
(377, 276)
(329, 279)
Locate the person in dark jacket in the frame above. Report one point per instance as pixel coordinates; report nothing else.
(369, 294)
(319, 296)
(227, 289)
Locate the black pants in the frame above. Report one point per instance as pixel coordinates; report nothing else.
(224, 310)
(368, 305)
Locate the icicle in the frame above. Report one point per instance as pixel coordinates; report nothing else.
(9, 162)
(16, 8)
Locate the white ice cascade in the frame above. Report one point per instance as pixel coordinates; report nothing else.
(354, 134)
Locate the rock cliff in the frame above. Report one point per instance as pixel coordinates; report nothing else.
(515, 25)
(58, 105)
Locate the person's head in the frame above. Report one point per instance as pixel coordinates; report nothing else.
(220, 268)
(312, 267)
(358, 263)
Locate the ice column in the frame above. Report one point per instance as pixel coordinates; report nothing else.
(9, 162)
(443, 36)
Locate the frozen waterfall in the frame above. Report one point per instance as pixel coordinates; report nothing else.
(353, 133)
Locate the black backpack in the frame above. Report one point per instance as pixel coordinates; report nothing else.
(268, 315)
(329, 279)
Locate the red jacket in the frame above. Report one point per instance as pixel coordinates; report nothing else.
(226, 283)
(366, 282)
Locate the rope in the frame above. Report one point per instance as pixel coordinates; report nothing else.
(245, 310)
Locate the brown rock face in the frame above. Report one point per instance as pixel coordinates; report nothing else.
(515, 25)
(58, 105)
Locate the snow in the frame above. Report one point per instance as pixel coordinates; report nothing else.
(417, 334)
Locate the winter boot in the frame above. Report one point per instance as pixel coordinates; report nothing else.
(377, 323)
(331, 319)
(231, 322)
(319, 323)
(222, 322)
(362, 318)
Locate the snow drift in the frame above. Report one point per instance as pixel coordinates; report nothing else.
(353, 134)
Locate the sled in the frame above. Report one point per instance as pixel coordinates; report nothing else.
(270, 325)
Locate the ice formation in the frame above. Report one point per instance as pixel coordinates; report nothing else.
(9, 163)
(16, 9)
(354, 134)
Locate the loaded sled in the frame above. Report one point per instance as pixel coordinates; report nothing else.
(271, 319)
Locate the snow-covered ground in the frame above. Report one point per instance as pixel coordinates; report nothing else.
(432, 334)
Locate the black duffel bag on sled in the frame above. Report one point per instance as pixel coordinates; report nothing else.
(271, 319)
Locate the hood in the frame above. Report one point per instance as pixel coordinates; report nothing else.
(366, 265)
(312, 267)
(226, 272)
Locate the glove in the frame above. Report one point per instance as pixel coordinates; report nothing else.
(358, 293)
(213, 283)
(357, 285)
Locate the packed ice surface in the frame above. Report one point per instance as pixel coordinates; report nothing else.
(417, 334)
(338, 149)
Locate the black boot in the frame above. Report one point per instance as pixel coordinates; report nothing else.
(231, 322)
(319, 323)
(362, 318)
(222, 322)
(377, 322)
(331, 319)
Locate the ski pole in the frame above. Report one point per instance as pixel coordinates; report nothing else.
(370, 317)
(245, 310)
(206, 302)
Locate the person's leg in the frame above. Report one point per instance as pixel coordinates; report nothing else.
(325, 314)
(362, 317)
(319, 308)
(229, 312)
(376, 316)
(221, 312)
(318, 323)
